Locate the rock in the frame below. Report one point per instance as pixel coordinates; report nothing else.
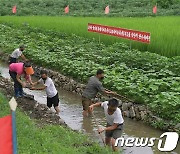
(132, 112)
(36, 105)
(62, 78)
(125, 106)
(78, 90)
(138, 116)
(49, 112)
(142, 108)
(120, 102)
(82, 86)
(156, 118)
(129, 105)
(126, 114)
(56, 80)
(53, 74)
(61, 121)
(73, 82)
(143, 115)
(68, 87)
(177, 126)
(149, 113)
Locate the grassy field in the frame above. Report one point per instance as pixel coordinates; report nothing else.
(48, 139)
(164, 31)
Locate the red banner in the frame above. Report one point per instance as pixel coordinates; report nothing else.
(6, 144)
(120, 32)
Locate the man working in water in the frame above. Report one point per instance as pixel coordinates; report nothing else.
(16, 54)
(52, 94)
(114, 127)
(93, 87)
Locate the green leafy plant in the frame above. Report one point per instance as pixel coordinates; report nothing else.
(146, 78)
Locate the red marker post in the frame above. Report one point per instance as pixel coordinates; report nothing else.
(14, 9)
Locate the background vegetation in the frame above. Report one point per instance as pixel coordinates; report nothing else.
(146, 77)
(164, 31)
(131, 8)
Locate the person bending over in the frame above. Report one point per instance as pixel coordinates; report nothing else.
(16, 71)
(93, 87)
(114, 127)
(16, 54)
(52, 94)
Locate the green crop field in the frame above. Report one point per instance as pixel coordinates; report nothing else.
(145, 74)
(164, 31)
(145, 77)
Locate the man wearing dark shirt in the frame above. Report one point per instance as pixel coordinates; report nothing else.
(93, 87)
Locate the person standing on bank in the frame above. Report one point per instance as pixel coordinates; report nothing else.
(16, 54)
(16, 70)
(93, 87)
(48, 85)
(114, 127)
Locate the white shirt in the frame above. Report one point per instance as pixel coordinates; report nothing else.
(16, 53)
(116, 117)
(50, 87)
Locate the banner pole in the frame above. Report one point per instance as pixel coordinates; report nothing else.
(99, 39)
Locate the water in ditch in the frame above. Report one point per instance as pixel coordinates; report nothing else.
(71, 113)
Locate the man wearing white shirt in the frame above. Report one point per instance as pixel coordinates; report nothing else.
(115, 121)
(52, 94)
(16, 54)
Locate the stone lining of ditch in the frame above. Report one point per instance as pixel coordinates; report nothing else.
(129, 109)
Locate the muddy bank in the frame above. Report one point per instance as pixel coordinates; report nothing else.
(31, 107)
(129, 109)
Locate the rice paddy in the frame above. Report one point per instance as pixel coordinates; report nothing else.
(164, 31)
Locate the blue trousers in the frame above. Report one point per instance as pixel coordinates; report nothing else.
(18, 90)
